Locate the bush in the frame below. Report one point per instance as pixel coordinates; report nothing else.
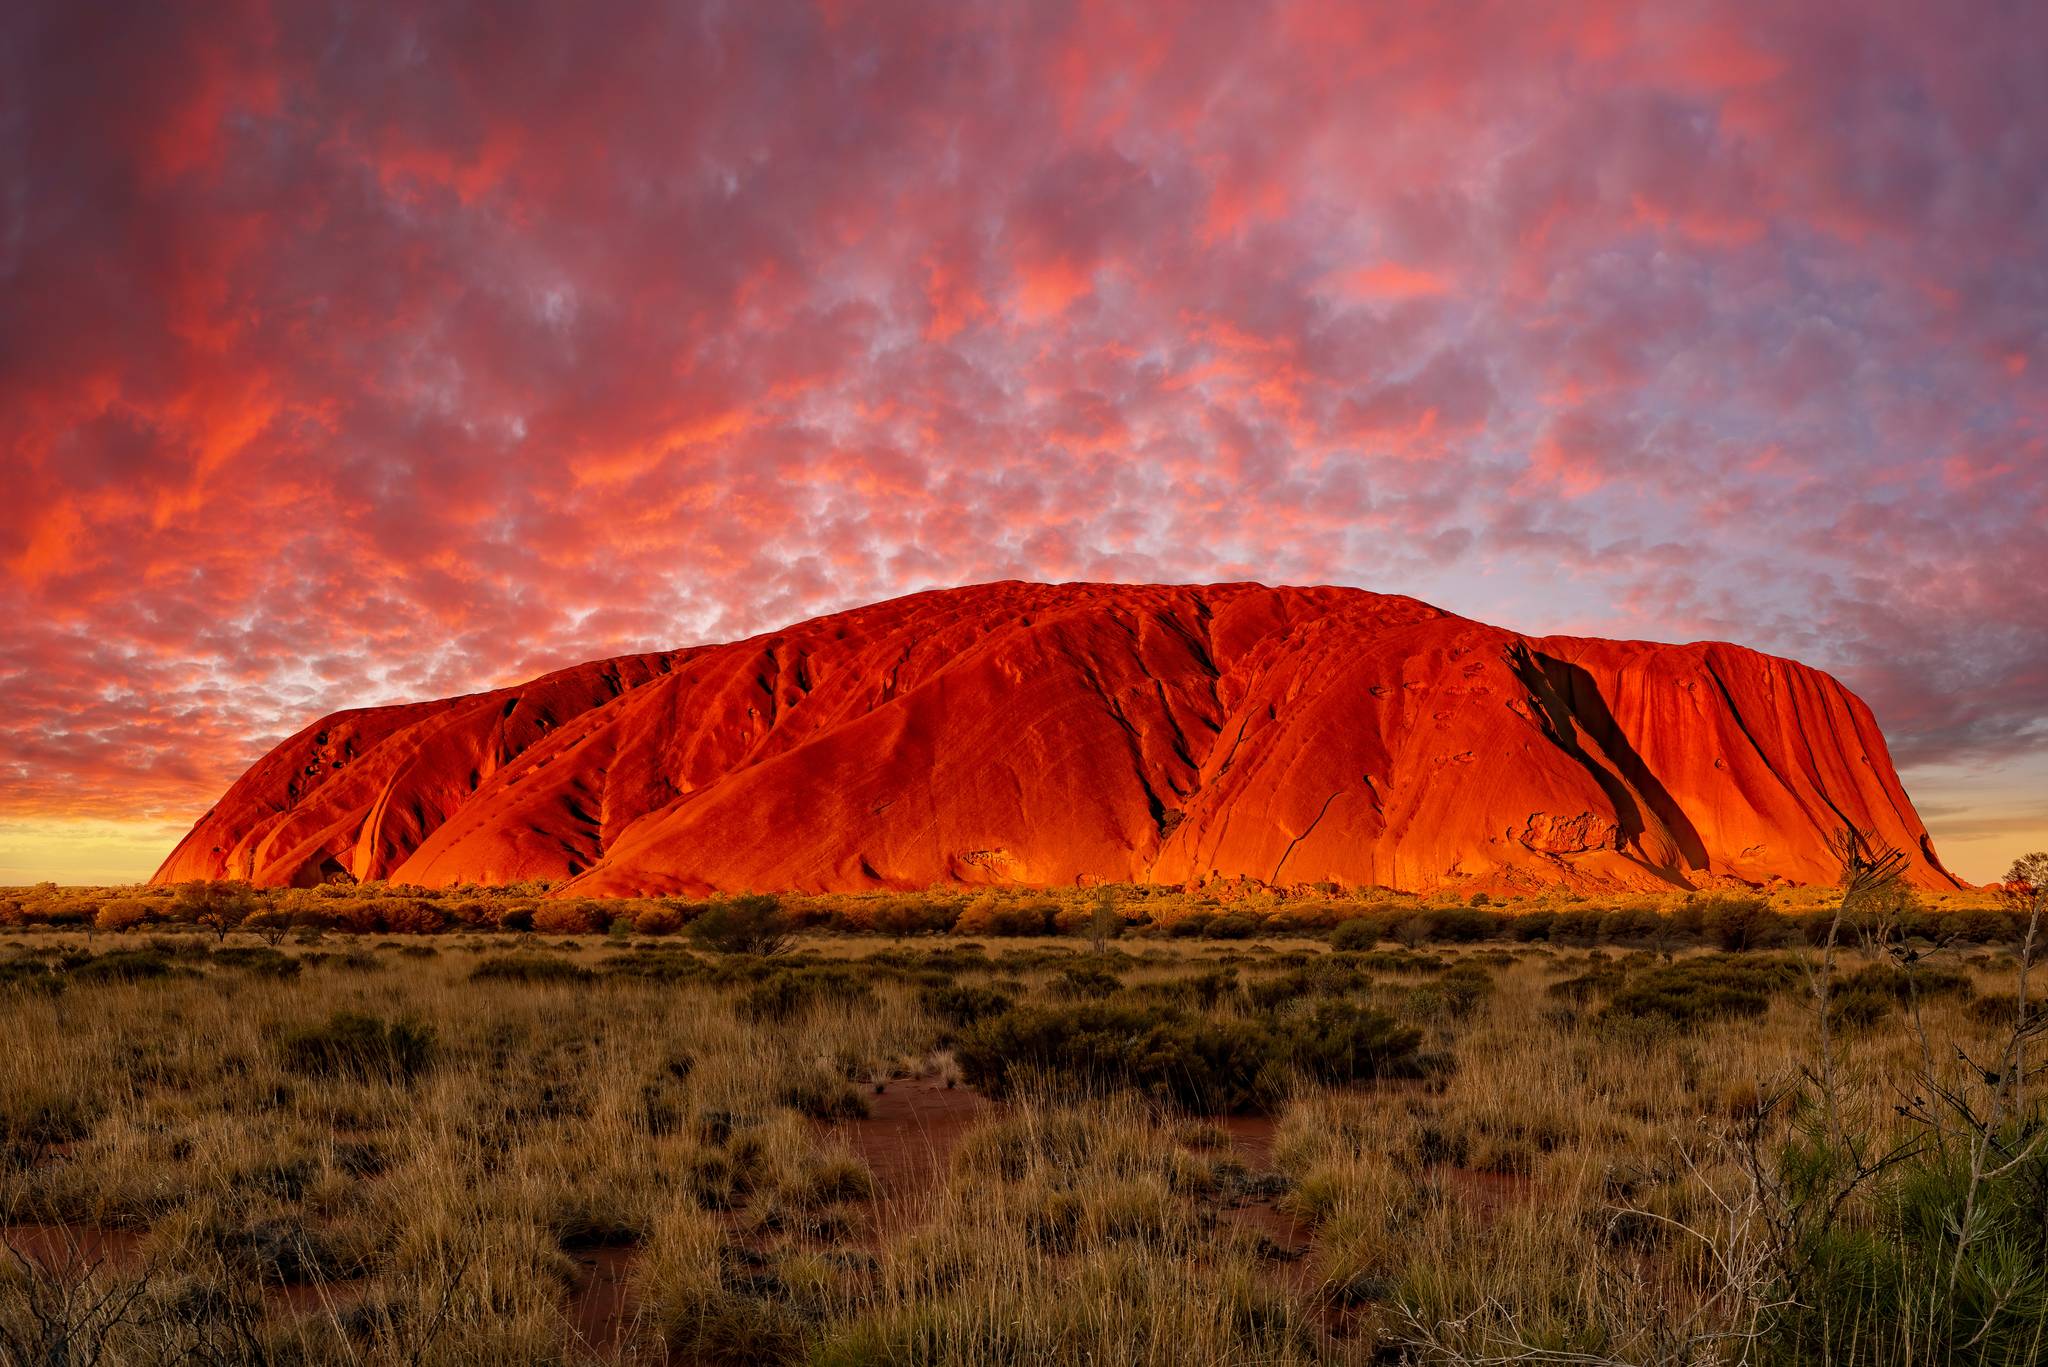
(121, 965)
(123, 913)
(34, 1119)
(1327, 978)
(752, 923)
(29, 973)
(355, 1044)
(1358, 933)
(1958, 1272)
(1203, 1064)
(990, 915)
(1336, 1042)
(2001, 1010)
(780, 996)
(962, 1006)
(1236, 925)
(1191, 1060)
(1463, 925)
(1456, 992)
(1904, 985)
(912, 916)
(413, 916)
(581, 917)
(1859, 1009)
(264, 962)
(1694, 990)
(219, 904)
(1735, 924)
(662, 965)
(1089, 983)
(529, 968)
(272, 923)
(659, 919)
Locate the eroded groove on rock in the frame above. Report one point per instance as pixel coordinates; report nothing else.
(1049, 724)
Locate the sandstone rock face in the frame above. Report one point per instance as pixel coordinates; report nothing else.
(1053, 734)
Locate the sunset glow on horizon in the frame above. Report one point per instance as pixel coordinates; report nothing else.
(349, 356)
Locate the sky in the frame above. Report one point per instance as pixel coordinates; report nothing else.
(351, 353)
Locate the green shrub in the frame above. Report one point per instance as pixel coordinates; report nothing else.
(33, 1119)
(1462, 925)
(529, 968)
(31, 974)
(1358, 933)
(262, 961)
(1192, 1060)
(961, 1006)
(1455, 993)
(354, 1044)
(1860, 1008)
(1203, 1064)
(1736, 924)
(121, 966)
(752, 923)
(1236, 925)
(1395, 961)
(1091, 984)
(1602, 980)
(1326, 977)
(1909, 1289)
(1336, 1042)
(1905, 984)
(1699, 989)
(663, 965)
(788, 992)
(1207, 989)
(2001, 1010)
(991, 915)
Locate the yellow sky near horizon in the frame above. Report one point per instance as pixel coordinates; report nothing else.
(1980, 823)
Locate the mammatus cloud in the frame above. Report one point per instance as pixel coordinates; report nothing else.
(348, 355)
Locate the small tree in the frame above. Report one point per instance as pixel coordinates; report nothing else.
(121, 914)
(2025, 891)
(1105, 922)
(752, 923)
(271, 923)
(219, 904)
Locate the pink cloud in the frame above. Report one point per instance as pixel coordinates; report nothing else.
(341, 362)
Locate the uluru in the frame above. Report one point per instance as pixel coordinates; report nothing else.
(1054, 734)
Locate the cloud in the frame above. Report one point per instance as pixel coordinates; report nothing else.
(347, 356)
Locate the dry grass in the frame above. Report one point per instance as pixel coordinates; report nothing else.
(536, 1166)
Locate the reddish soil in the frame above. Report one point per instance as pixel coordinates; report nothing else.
(1487, 1192)
(598, 1305)
(907, 1139)
(1251, 1138)
(72, 1250)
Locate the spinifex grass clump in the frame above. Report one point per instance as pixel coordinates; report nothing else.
(963, 1004)
(784, 993)
(1706, 988)
(257, 959)
(1949, 1268)
(119, 965)
(530, 968)
(1205, 1063)
(652, 1162)
(355, 1044)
